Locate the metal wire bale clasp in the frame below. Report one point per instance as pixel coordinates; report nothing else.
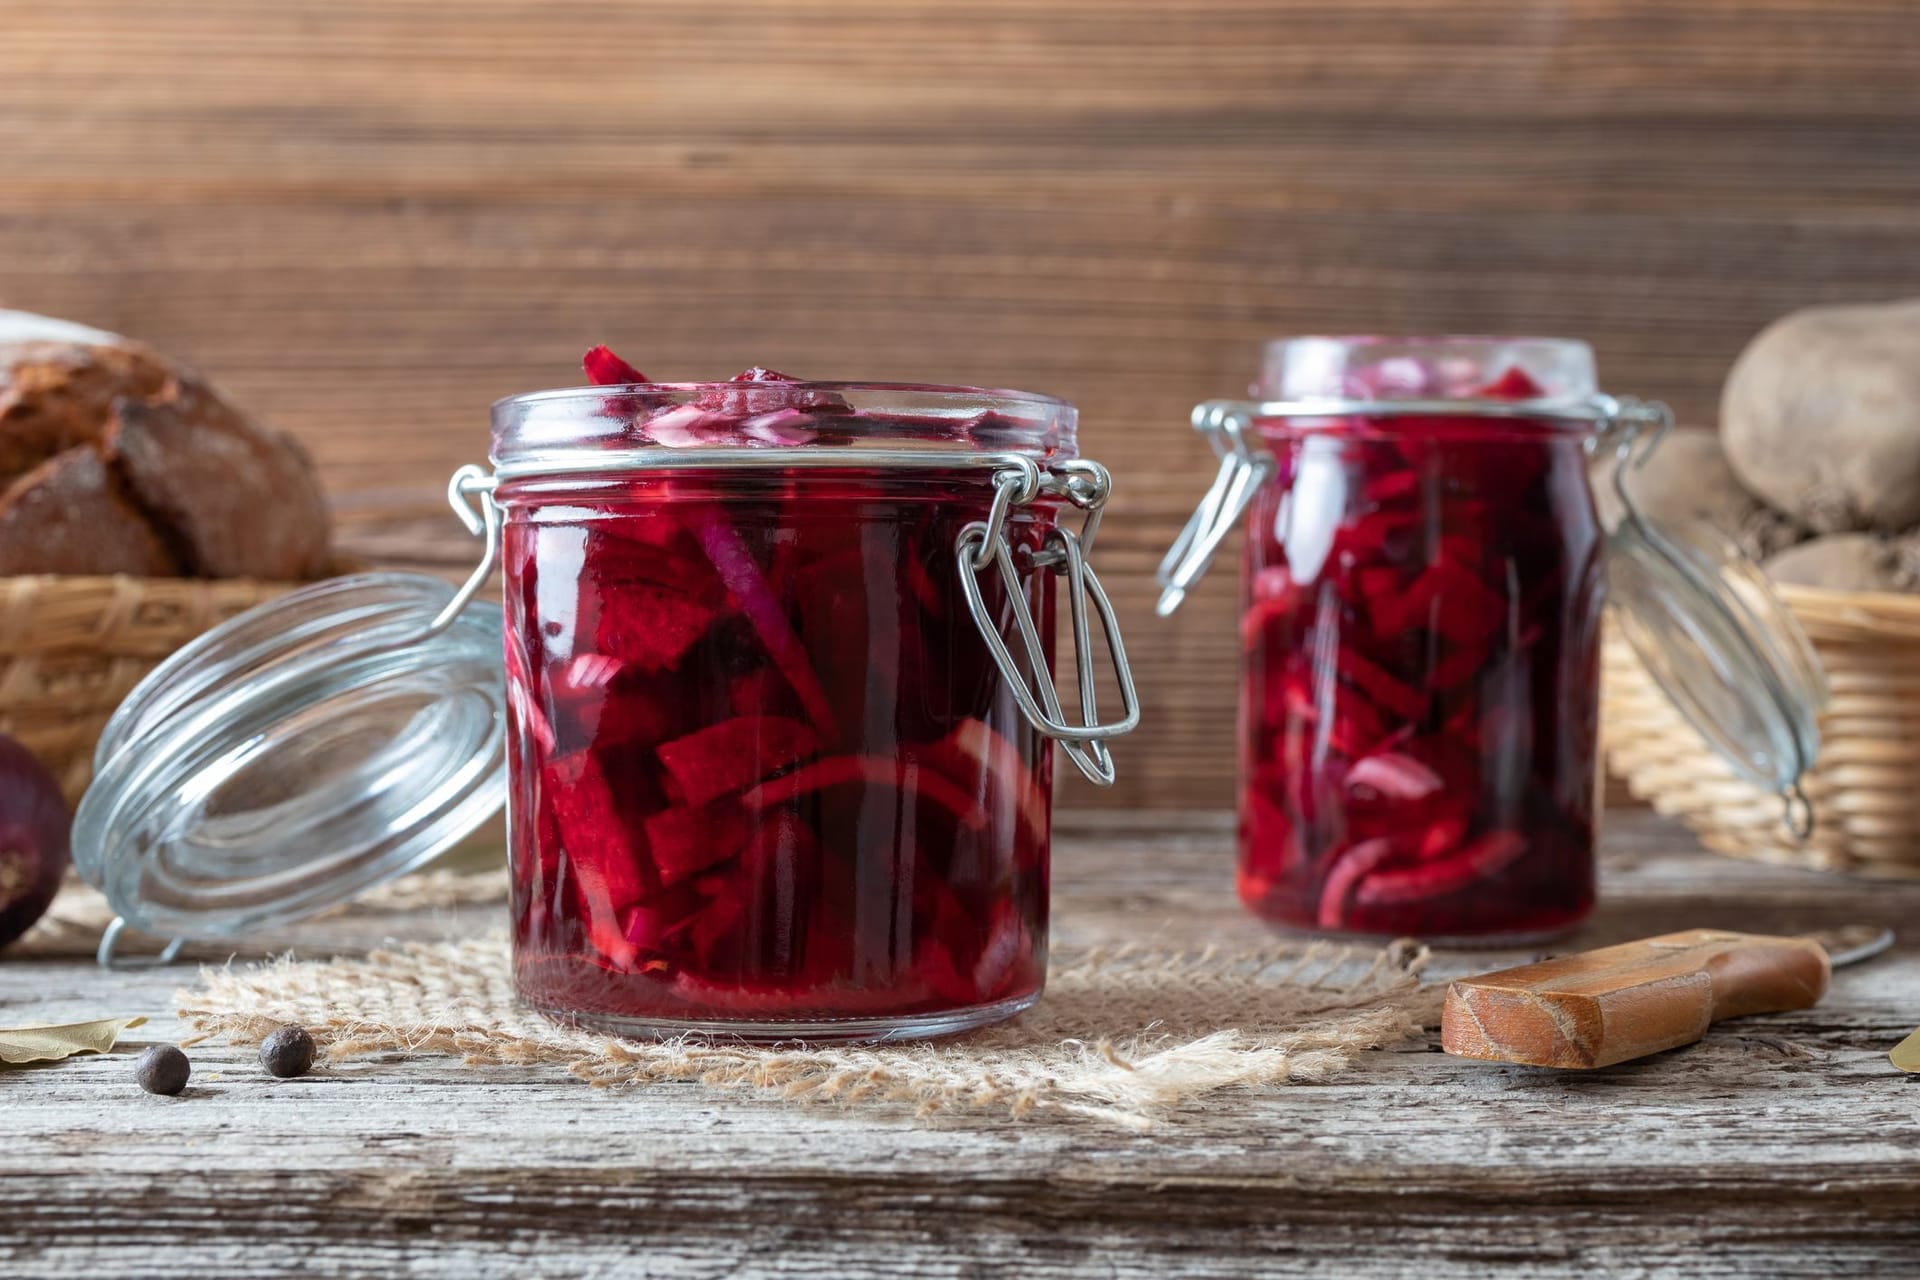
(983, 543)
(1242, 471)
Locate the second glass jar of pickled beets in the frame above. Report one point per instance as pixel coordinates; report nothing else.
(776, 727)
(1424, 578)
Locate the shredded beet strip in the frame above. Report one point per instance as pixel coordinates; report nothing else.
(605, 369)
(1348, 869)
(734, 564)
(1484, 858)
(885, 771)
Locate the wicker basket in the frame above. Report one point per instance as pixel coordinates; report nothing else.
(1865, 786)
(71, 648)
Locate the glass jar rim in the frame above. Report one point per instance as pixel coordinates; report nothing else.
(1539, 340)
(1580, 419)
(928, 390)
(1381, 374)
(749, 423)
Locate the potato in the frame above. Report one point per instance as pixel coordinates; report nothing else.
(1844, 562)
(1821, 416)
(1688, 477)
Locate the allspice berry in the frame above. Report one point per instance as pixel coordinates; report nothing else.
(163, 1069)
(288, 1052)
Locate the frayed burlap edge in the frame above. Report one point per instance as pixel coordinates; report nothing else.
(1126, 1035)
(72, 925)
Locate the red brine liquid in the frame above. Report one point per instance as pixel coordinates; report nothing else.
(766, 775)
(1421, 677)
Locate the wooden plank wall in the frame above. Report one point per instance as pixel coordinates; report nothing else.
(371, 217)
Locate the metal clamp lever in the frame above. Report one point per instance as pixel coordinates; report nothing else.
(1242, 472)
(984, 543)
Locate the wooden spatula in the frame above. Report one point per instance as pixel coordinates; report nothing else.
(1618, 1003)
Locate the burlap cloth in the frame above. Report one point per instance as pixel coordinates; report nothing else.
(1127, 1035)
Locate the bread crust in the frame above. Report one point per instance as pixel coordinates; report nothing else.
(215, 495)
(55, 395)
(238, 502)
(71, 515)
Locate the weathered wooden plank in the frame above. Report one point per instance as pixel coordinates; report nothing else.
(370, 218)
(1781, 1144)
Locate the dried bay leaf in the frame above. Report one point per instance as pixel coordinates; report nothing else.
(1906, 1054)
(47, 1044)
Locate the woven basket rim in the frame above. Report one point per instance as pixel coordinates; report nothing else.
(340, 567)
(94, 582)
(1854, 615)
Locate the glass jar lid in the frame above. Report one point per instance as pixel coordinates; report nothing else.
(296, 755)
(1718, 641)
(1701, 617)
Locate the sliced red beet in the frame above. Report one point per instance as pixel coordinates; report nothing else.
(1388, 692)
(982, 762)
(524, 702)
(606, 859)
(778, 869)
(926, 592)
(713, 932)
(948, 951)
(685, 842)
(605, 369)
(1441, 837)
(1350, 868)
(1382, 488)
(1514, 384)
(1483, 859)
(733, 755)
(734, 563)
(1392, 774)
(1450, 602)
(651, 628)
(600, 701)
(761, 692)
(998, 963)
(868, 771)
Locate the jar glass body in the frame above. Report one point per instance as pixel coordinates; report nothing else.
(1420, 637)
(765, 776)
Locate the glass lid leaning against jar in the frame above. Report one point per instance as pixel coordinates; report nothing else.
(1424, 578)
(774, 734)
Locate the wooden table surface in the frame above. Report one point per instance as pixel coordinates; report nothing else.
(1783, 1144)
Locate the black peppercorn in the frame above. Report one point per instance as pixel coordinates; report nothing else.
(287, 1053)
(163, 1069)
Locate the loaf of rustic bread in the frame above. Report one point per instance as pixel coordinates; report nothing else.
(113, 460)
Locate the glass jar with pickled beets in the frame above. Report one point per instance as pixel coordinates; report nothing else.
(775, 768)
(1423, 586)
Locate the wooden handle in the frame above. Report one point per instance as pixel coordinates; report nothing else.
(1618, 1003)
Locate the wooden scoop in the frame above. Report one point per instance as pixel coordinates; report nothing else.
(1624, 1002)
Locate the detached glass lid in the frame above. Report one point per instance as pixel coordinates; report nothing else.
(1701, 617)
(298, 754)
(1717, 640)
